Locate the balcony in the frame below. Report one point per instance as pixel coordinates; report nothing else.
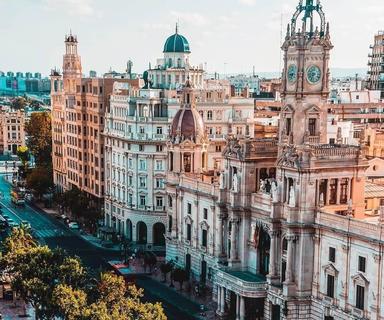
(243, 282)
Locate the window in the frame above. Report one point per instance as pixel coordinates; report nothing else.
(130, 181)
(344, 191)
(159, 148)
(142, 200)
(361, 264)
(142, 130)
(204, 238)
(159, 183)
(239, 130)
(312, 127)
(141, 147)
(332, 254)
(360, 297)
(288, 126)
(189, 232)
(130, 199)
(159, 130)
(209, 115)
(189, 208)
(159, 202)
(142, 182)
(130, 163)
(331, 141)
(333, 191)
(330, 286)
(142, 164)
(205, 213)
(159, 165)
(218, 148)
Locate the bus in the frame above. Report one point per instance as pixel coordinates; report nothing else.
(18, 196)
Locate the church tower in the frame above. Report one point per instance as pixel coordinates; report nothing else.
(312, 174)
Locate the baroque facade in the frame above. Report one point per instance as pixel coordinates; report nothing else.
(280, 230)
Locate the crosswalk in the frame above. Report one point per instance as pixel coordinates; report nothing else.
(51, 233)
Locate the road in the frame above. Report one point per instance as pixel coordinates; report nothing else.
(55, 234)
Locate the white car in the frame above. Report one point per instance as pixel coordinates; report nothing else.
(73, 225)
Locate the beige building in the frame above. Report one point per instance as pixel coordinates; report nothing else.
(12, 134)
(78, 108)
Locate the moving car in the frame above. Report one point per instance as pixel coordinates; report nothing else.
(73, 225)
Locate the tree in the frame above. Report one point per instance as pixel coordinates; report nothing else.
(180, 275)
(115, 301)
(36, 271)
(165, 268)
(40, 180)
(39, 131)
(19, 103)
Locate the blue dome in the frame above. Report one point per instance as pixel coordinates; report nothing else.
(177, 43)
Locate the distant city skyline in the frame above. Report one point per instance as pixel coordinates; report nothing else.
(229, 36)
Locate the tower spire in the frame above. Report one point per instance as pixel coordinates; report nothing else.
(177, 27)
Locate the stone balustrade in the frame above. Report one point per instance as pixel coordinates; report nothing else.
(335, 152)
(351, 225)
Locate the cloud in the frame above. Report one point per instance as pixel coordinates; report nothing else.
(248, 2)
(72, 7)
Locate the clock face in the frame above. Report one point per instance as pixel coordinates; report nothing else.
(292, 73)
(313, 74)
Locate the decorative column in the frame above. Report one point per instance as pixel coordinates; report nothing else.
(222, 299)
(233, 253)
(273, 251)
(242, 308)
(328, 195)
(237, 307)
(220, 235)
(290, 253)
(218, 300)
(338, 191)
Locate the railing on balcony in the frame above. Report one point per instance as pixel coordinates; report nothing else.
(241, 280)
(335, 152)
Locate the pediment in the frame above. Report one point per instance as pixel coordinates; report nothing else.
(288, 109)
(204, 225)
(313, 109)
(360, 279)
(188, 219)
(331, 269)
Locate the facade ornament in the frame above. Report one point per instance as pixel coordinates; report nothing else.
(222, 181)
(274, 192)
(233, 148)
(292, 197)
(321, 201)
(235, 183)
(263, 186)
(350, 208)
(289, 157)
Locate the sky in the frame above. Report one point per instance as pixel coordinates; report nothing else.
(229, 36)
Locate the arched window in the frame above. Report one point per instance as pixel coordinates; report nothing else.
(179, 63)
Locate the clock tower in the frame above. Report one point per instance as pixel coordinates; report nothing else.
(312, 173)
(306, 76)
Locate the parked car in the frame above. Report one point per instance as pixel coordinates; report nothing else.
(73, 225)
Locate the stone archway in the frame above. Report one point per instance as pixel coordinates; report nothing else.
(141, 233)
(158, 234)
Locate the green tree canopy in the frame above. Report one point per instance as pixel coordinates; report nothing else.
(40, 180)
(39, 131)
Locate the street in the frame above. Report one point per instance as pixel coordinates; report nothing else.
(55, 234)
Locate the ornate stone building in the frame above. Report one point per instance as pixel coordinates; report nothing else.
(281, 232)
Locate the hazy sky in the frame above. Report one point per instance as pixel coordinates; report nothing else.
(233, 33)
